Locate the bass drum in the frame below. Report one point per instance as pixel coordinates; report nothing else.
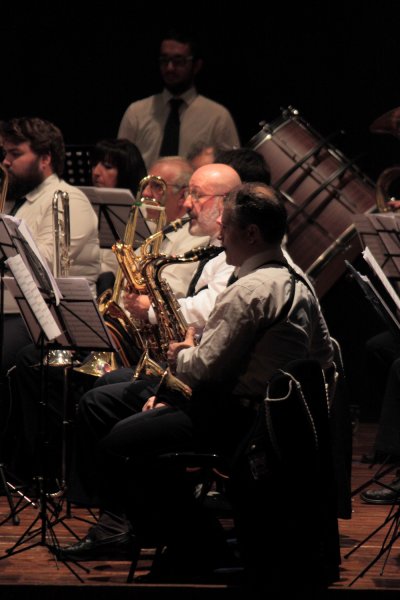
(322, 190)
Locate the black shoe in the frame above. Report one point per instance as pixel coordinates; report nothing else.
(115, 547)
(376, 457)
(383, 495)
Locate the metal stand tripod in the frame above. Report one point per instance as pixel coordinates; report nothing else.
(392, 520)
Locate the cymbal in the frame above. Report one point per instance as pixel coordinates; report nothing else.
(387, 123)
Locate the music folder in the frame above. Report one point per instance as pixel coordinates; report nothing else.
(113, 208)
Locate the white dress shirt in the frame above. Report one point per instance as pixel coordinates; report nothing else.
(201, 120)
(37, 212)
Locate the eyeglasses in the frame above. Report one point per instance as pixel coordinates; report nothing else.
(177, 61)
(196, 196)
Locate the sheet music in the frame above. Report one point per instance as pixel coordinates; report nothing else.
(370, 260)
(33, 296)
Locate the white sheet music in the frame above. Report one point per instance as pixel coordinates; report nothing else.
(33, 296)
(370, 260)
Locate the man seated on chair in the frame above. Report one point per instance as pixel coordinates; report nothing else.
(265, 319)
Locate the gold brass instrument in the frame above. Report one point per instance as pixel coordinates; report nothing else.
(3, 187)
(385, 180)
(126, 336)
(171, 323)
(134, 266)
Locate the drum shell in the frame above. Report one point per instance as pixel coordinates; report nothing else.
(323, 191)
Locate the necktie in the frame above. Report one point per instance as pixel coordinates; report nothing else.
(17, 206)
(170, 142)
(232, 279)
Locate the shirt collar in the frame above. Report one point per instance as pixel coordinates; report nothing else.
(187, 96)
(257, 260)
(49, 182)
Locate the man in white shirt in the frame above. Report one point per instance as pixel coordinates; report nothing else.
(200, 119)
(176, 173)
(34, 158)
(207, 188)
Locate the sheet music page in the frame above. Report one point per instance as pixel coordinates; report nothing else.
(370, 260)
(33, 296)
(26, 233)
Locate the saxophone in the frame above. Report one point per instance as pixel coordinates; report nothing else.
(171, 325)
(133, 266)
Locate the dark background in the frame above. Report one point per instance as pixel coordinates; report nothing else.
(81, 65)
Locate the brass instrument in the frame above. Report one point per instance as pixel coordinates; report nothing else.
(62, 234)
(124, 332)
(171, 324)
(61, 262)
(134, 266)
(3, 187)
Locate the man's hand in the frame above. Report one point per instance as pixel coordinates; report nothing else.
(152, 403)
(137, 304)
(175, 347)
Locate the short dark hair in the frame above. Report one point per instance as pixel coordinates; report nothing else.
(125, 157)
(184, 37)
(250, 164)
(43, 137)
(259, 204)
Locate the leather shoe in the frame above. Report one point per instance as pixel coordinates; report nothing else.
(115, 547)
(390, 495)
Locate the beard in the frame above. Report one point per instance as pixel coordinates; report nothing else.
(20, 185)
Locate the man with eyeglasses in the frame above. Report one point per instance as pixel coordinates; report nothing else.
(204, 196)
(176, 173)
(171, 121)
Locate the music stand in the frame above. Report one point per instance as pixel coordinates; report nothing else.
(15, 239)
(381, 234)
(113, 207)
(75, 321)
(383, 298)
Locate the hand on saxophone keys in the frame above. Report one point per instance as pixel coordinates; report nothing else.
(137, 304)
(175, 347)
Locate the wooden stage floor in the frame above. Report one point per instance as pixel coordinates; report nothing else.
(34, 572)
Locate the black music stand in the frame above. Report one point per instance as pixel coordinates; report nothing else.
(14, 240)
(378, 291)
(381, 234)
(76, 323)
(113, 207)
